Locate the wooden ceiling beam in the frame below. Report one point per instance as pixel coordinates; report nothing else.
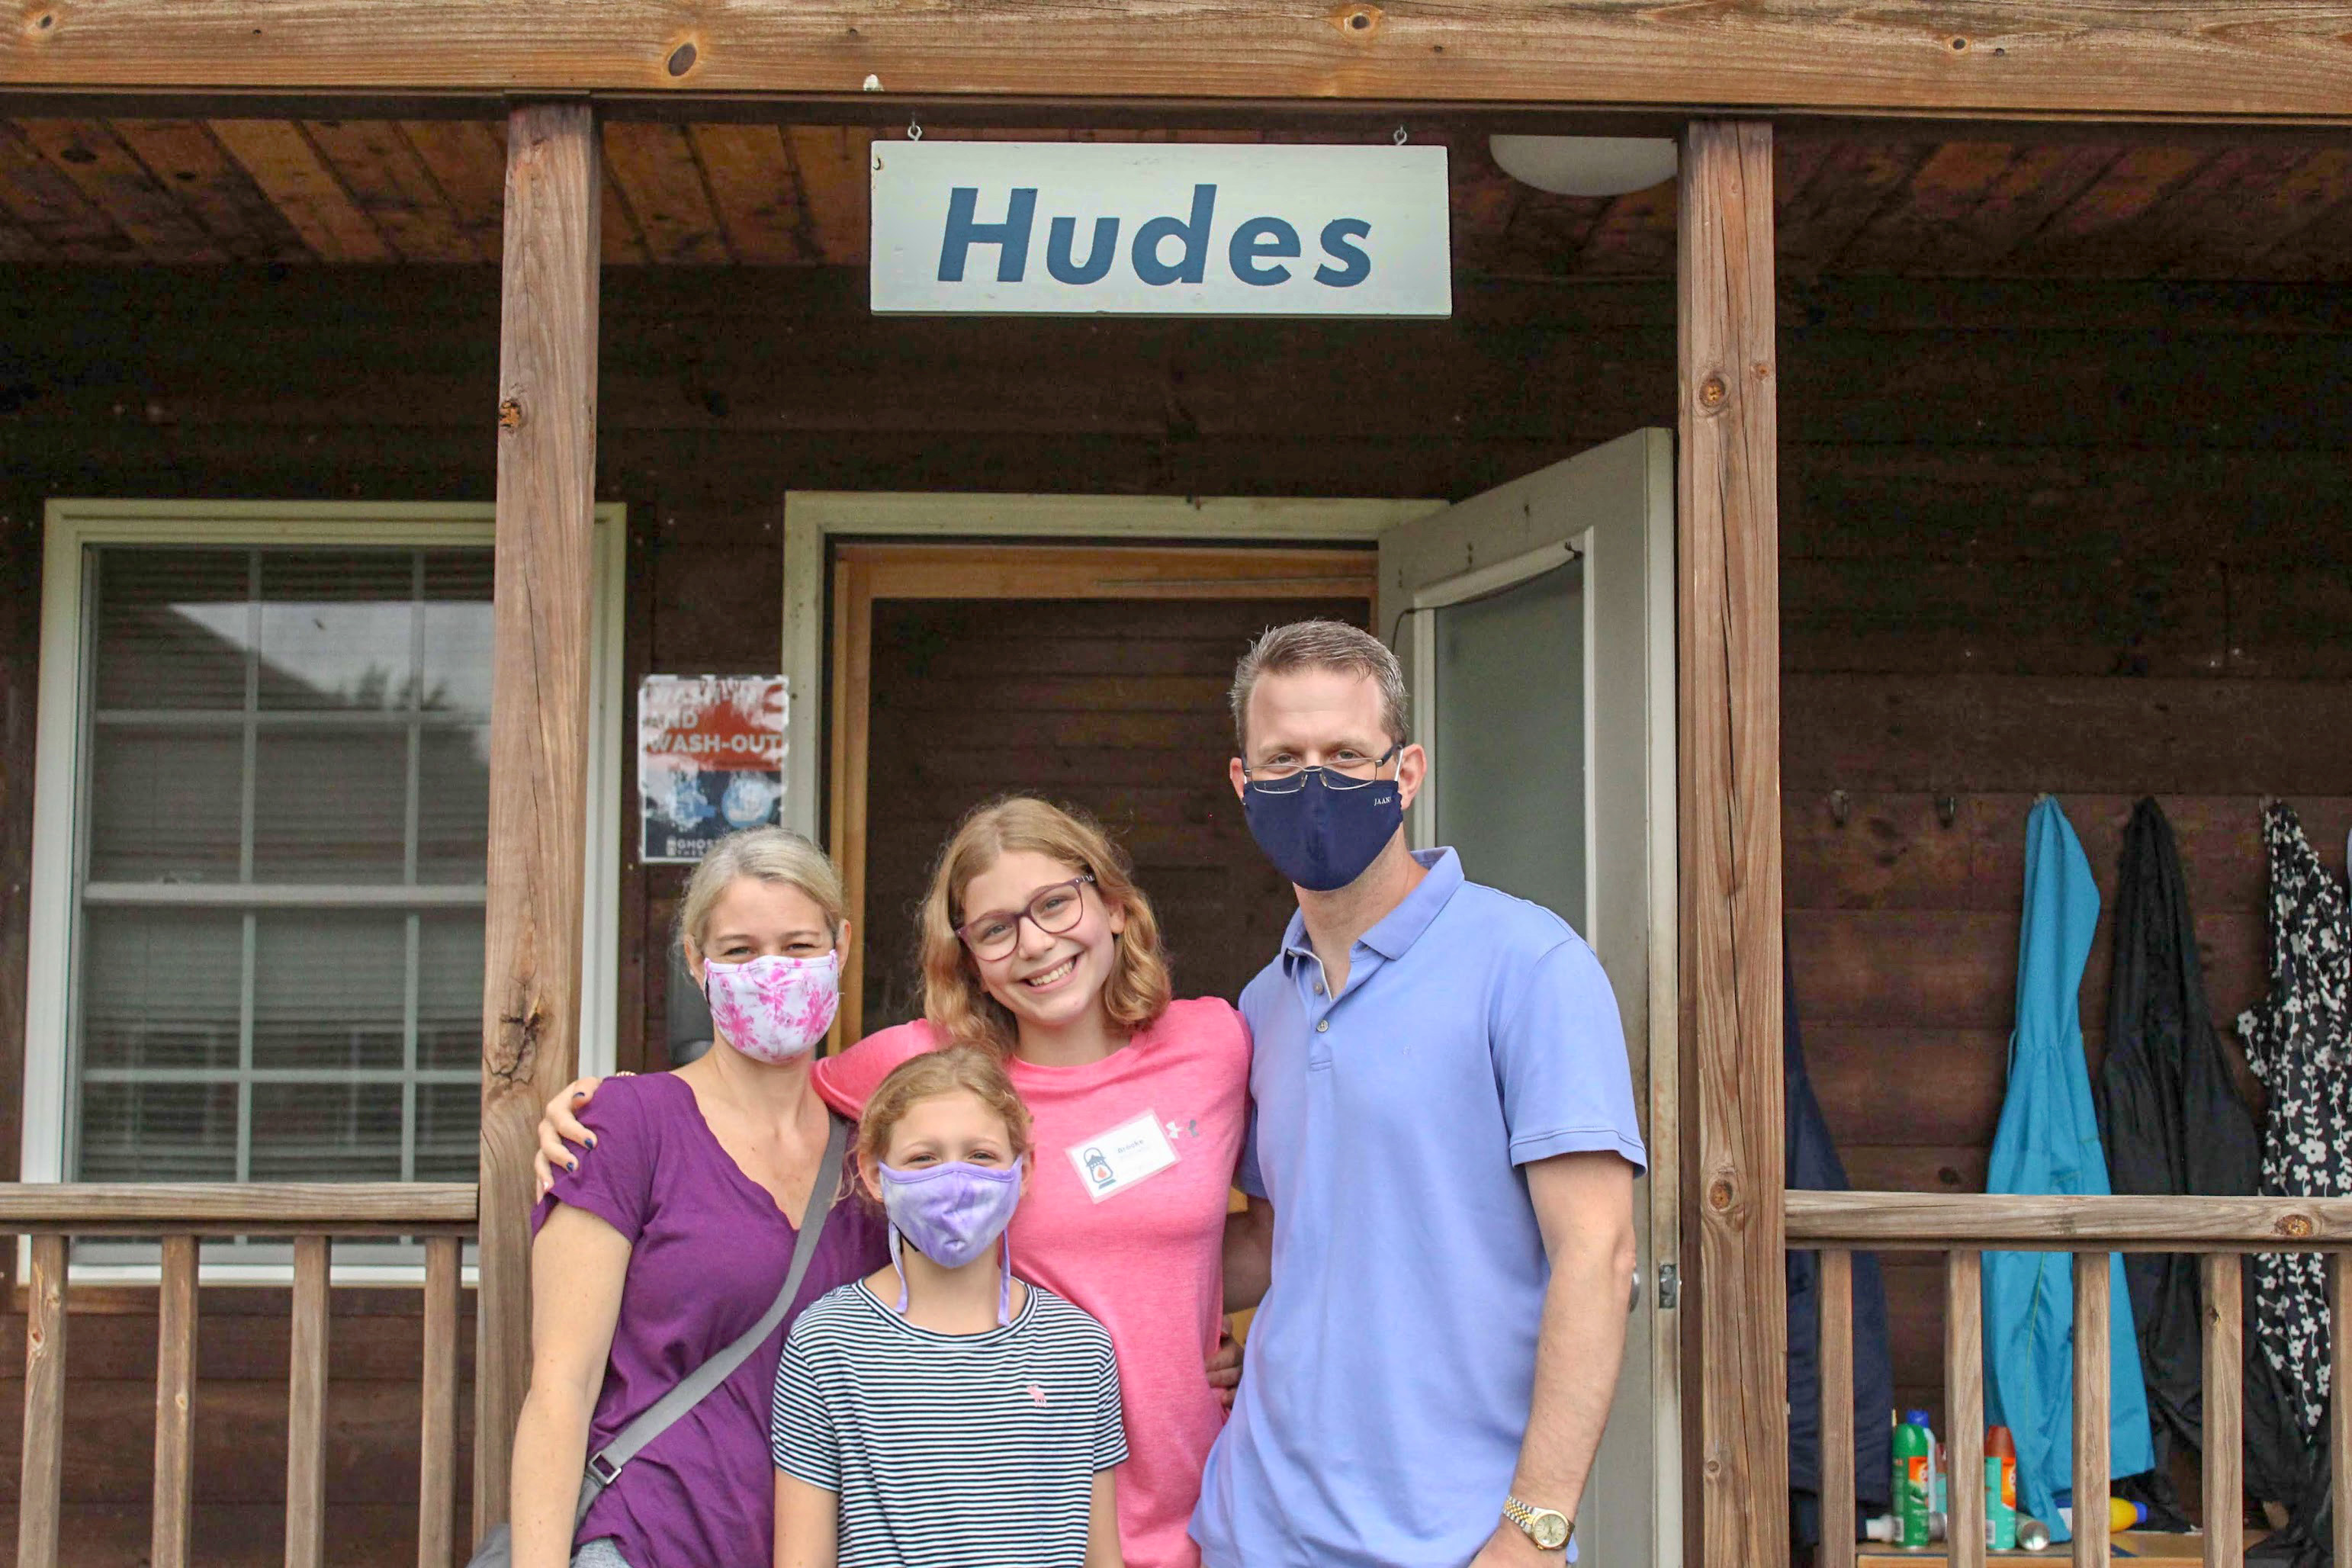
(51, 209)
(88, 154)
(656, 169)
(2183, 59)
(188, 161)
(298, 183)
(467, 160)
(390, 182)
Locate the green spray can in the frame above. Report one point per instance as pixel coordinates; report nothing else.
(1913, 1466)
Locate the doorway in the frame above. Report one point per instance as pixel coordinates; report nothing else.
(1536, 623)
(1091, 676)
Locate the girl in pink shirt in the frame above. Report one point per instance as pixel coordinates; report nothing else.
(1037, 944)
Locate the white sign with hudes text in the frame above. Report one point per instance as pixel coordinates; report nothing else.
(1159, 229)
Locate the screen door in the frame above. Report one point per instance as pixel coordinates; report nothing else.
(1535, 623)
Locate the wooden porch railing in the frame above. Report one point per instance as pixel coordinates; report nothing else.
(1964, 1228)
(442, 1213)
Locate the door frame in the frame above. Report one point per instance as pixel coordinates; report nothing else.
(814, 518)
(919, 545)
(1629, 642)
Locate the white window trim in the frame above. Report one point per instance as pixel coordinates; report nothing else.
(70, 527)
(811, 517)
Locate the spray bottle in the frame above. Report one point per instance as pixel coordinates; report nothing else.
(1915, 1489)
(2000, 1489)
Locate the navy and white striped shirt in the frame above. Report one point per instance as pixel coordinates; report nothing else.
(953, 1450)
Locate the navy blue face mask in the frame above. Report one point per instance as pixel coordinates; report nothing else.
(1322, 838)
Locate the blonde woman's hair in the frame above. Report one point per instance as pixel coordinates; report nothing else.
(954, 1000)
(958, 1069)
(771, 855)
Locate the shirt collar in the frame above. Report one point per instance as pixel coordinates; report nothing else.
(1402, 926)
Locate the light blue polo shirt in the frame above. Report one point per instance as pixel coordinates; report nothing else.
(1390, 1365)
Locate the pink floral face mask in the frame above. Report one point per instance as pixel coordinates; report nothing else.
(773, 1009)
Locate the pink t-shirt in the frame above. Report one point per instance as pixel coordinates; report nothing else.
(1126, 1217)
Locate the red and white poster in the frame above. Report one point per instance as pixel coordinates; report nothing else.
(711, 759)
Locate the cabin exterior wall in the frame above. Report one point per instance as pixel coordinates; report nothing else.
(2033, 537)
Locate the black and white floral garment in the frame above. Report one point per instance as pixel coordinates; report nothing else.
(2299, 1041)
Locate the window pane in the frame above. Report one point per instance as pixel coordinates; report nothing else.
(457, 631)
(328, 990)
(326, 1132)
(1510, 738)
(337, 629)
(330, 806)
(173, 628)
(160, 987)
(158, 1133)
(453, 804)
(166, 805)
(448, 1132)
(322, 683)
(449, 990)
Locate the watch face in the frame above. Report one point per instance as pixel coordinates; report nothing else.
(1551, 1531)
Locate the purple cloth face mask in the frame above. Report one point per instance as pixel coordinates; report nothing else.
(952, 1212)
(772, 1008)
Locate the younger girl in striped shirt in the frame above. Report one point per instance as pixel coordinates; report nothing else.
(940, 1411)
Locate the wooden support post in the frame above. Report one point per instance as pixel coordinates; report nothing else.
(1964, 1406)
(2225, 1420)
(436, 1481)
(40, 1491)
(2340, 1411)
(175, 1379)
(306, 1409)
(539, 727)
(1728, 642)
(2091, 1402)
(1836, 1361)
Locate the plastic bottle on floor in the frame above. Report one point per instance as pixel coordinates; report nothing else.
(1915, 1490)
(2000, 1489)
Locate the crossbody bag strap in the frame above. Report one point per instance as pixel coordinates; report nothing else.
(605, 1466)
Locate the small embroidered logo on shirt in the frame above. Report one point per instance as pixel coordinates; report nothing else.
(1036, 1397)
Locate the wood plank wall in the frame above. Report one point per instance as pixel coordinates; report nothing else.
(2093, 539)
(2129, 572)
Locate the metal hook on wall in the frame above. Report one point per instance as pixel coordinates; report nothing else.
(914, 128)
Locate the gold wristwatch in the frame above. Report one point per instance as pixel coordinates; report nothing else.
(1545, 1527)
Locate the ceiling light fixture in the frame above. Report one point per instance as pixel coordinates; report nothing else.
(1585, 165)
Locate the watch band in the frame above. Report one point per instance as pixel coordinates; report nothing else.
(1548, 1528)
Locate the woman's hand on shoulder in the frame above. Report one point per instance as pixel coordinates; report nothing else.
(561, 1137)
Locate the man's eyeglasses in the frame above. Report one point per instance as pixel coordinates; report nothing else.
(1289, 777)
(1053, 910)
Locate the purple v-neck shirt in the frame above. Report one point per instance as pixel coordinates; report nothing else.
(708, 1252)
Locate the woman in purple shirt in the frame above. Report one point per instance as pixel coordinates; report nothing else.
(657, 1255)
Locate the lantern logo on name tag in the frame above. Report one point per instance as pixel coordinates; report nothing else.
(1110, 1162)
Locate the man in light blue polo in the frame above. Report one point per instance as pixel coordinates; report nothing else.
(1441, 1167)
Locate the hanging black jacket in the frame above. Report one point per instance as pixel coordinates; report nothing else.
(2172, 1123)
(1813, 1165)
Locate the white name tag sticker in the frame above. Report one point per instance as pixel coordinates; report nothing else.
(1110, 1162)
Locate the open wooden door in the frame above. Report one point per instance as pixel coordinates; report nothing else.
(1535, 623)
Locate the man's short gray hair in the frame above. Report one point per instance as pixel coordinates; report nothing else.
(1321, 645)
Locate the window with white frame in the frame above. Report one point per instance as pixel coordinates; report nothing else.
(260, 918)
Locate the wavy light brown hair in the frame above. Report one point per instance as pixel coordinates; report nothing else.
(954, 1000)
(958, 1069)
